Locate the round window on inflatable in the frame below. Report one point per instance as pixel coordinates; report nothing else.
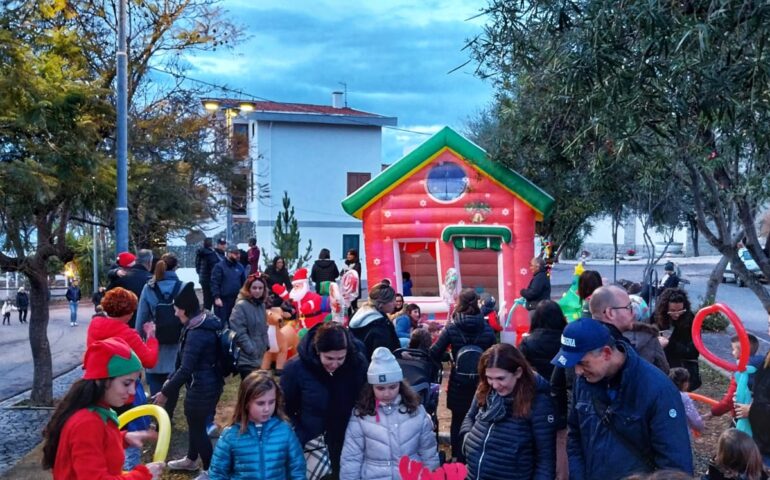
(446, 182)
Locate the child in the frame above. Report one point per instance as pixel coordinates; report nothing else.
(82, 440)
(6, 310)
(726, 404)
(681, 378)
(406, 283)
(737, 458)
(259, 439)
(388, 423)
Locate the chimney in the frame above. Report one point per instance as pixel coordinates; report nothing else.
(338, 100)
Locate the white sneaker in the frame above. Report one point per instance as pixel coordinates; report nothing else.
(183, 463)
(203, 476)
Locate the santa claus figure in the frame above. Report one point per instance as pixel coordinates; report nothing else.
(307, 303)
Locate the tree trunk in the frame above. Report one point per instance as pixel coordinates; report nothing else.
(42, 380)
(715, 279)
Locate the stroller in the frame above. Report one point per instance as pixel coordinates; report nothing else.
(424, 376)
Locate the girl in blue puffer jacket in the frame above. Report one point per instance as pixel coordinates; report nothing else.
(260, 443)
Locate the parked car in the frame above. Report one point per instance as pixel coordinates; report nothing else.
(751, 265)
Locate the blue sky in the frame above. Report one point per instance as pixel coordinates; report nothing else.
(394, 56)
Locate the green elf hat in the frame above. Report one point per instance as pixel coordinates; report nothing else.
(110, 358)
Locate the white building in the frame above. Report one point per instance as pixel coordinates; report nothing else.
(317, 153)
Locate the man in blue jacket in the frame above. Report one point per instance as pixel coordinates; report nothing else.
(227, 278)
(627, 417)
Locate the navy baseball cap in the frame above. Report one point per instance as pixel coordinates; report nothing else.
(578, 338)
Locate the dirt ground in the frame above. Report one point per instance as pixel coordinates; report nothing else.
(714, 386)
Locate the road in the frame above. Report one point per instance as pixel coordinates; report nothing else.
(67, 347)
(696, 271)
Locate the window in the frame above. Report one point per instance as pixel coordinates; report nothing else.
(446, 182)
(357, 180)
(239, 194)
(351, 241)
(241, 141)
(420, 261)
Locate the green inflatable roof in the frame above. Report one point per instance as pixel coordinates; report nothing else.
(400, 171)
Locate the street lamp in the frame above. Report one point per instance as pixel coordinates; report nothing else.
(230, 112)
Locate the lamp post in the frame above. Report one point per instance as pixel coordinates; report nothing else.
(121, 210)
(213, 106)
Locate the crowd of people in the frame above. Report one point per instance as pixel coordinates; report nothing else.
(604, 396)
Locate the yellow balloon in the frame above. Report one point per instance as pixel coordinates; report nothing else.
(164, 427)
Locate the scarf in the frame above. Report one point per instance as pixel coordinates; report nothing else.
(496, 409)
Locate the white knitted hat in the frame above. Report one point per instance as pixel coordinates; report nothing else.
(384, 368)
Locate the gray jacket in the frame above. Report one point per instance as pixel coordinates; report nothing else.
(374, 447)
(145, 312)
(644, 338)
(249, 321)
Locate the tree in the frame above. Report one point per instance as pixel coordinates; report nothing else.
(57, 69)
(286, 238)
(679, 85)
(53, 118)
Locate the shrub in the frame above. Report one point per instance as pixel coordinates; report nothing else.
(716, 322)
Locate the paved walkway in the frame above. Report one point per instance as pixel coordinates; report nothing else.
(21, 429)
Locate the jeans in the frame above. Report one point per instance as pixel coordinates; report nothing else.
(199, 443)
(458, 415)
(223, 312)
(208, 299)
(133, 458)
(23, 315)
(73, 312)
(155, 381)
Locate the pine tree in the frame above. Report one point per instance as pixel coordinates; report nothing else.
(286, 237)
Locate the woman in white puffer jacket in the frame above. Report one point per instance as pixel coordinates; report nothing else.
(388, 422)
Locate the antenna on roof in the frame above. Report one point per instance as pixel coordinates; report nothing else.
(345, 87)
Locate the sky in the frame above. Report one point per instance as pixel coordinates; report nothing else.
(395, 57)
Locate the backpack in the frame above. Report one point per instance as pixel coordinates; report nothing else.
(168, 328)
(228, 352)
(467, 362)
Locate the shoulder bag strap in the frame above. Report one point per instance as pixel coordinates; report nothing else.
(605, 414)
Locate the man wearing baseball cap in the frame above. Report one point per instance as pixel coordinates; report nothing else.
(227, 278)
(624, 409)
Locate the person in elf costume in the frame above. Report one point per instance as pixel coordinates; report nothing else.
(82, 440)
(306, 302)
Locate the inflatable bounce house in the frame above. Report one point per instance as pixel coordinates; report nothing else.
(447, 217)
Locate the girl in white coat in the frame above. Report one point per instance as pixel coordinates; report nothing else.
(388, 422)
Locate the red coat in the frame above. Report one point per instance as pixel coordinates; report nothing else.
(91, 448)
(309, 308)
(102, 328)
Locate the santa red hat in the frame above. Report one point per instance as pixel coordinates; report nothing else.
(300, 275)
(125, 259)
(110, 358)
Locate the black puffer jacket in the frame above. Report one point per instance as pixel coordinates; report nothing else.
(499, 446)
(759, 414)
(318, 402)
(462, 330)
(374, 329)
(324, 271)
(539, 289)
(205, 260)
(196, 362)
(539, 348)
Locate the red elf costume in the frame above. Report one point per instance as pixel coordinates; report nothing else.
(91, 445)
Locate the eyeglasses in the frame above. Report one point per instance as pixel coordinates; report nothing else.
(677, 312)
(629, 307)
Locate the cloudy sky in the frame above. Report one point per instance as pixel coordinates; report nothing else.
(395, 57)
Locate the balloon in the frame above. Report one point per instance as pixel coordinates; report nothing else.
(703, 399)
(164, 427)
(743, 395)
(739, 330)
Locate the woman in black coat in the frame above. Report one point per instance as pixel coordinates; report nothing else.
(321, 384)
(277, 273)
(371, 324)
(544, 339)
(509, 431)
(197, 369)
(467, 327)
(673, 311)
